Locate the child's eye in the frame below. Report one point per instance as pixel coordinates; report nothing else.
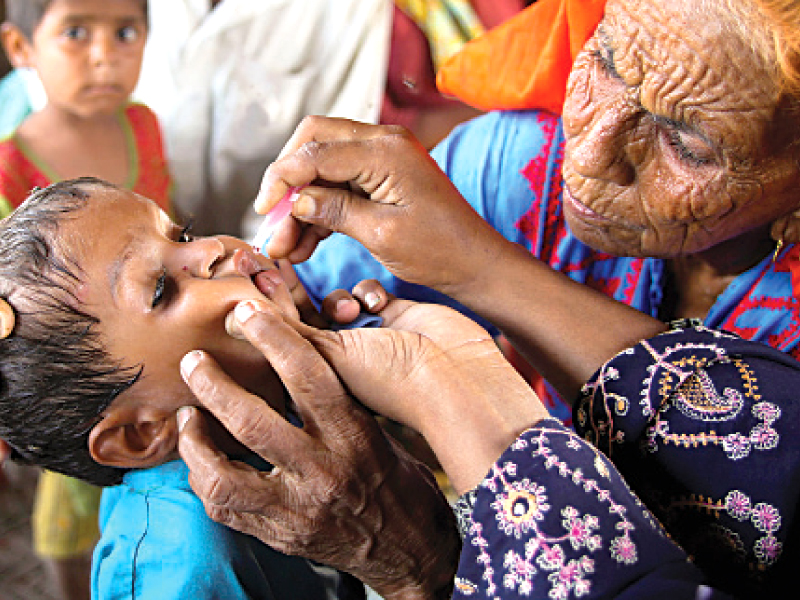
(76, 32)
(161, 286)
(128, 34)
(185, 234)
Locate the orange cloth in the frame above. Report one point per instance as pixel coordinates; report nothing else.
(524, 62)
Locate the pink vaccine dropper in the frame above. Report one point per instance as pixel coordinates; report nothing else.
(278, 213)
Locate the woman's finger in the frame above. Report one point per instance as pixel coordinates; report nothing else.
(247, 417)
(311, 131)
(227, 486)
(316, 391)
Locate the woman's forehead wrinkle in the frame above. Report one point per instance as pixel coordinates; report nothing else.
(699, 81)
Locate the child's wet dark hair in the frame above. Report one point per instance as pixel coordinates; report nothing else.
(56, 377)
(26, 14)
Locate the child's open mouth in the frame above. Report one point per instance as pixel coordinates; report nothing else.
(265, 279)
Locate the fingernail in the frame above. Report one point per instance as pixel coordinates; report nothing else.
(189, 363)
(243, 311)
(184, 414)
(232, 327)
(343, 303)
(304, 206)
(371, 300)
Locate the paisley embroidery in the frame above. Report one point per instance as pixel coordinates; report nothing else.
(693, 415)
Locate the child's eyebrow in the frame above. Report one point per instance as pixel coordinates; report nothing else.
(120, 264)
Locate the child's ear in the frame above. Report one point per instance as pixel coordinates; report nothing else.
(133, 439)
(16, 45)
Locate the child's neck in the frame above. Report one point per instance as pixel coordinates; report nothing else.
(73, 146)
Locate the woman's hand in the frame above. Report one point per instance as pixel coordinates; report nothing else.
(436, 371)
(378, 185)
(341, 493)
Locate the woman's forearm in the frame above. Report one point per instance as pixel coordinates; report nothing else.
(565, 329)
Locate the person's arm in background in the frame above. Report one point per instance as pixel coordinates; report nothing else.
(5, 451)
(406, 212)
(543, 513)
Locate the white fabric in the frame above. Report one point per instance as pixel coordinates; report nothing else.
(231, 84)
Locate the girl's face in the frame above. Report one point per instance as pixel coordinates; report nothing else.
(675, 141)
(88, 53)
(159, 293)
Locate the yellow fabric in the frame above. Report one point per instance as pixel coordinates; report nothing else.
(524, 62)
(5, 207)
(64, 516)
(448, 25)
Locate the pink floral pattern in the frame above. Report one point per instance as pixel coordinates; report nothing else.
(525, 545)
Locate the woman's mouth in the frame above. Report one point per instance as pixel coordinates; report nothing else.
(579, 207)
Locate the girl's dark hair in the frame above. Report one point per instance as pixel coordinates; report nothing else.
(56, 377)
(26, 14)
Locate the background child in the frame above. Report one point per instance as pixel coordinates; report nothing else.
(108, 295)
(87, 55)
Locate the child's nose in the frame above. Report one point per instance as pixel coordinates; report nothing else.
(202, 256)
(104, 48)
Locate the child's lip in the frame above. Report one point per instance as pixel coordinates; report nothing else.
(103, 88)
(246, 263)
(266, 281)
(264, 278)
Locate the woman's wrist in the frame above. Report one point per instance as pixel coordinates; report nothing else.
(469, 425)
(426, 549)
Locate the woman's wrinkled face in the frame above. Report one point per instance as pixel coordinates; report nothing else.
(673, 132)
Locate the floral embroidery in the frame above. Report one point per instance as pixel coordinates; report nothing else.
(519, 507)
(694, 397)
(559, 548)
(738, 505)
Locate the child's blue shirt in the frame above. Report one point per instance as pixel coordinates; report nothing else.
(158, 542)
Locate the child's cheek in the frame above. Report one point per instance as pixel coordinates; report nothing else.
(200, 313)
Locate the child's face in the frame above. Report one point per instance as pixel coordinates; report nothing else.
(159, 294)
(88, 53)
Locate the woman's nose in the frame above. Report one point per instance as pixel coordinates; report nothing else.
(599, 150)
(202, 256)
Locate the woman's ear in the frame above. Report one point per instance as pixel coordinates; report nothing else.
(16, 45)
(133, 440)
(786, 229)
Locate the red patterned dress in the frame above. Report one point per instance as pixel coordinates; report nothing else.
(21, 170)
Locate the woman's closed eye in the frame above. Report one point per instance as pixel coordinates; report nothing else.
(689, 147)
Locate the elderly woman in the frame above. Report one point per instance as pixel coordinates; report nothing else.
(677, 147)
